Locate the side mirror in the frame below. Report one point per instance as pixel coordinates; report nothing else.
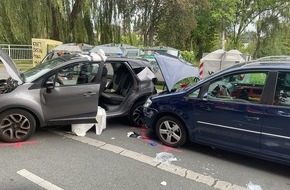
(49, 86)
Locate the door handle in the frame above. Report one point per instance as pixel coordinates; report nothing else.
(88, 94)
(252, 118)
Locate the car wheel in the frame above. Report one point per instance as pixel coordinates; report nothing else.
(171, 131)
(16, 125)
(136, 113)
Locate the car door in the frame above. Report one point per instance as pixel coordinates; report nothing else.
(230, 112)
(71, 94)
(275, 139)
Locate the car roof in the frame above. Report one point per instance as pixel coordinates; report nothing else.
(133, 62)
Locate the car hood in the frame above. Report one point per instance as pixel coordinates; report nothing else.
(174, 69)
(10, 66)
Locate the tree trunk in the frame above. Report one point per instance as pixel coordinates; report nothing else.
(55, 20)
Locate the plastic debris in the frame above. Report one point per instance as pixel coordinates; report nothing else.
(251, 186)
(113, 138)
(101, 118)
(133, 134)
(163, 183)
(129, 134)
(164, 157)
(152, 143)
(81, 129)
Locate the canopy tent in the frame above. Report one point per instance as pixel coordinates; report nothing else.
(219, 60)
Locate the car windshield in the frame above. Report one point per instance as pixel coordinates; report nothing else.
(41, 69)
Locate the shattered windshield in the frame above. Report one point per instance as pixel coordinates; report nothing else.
(41, 69)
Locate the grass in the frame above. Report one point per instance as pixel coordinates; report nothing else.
(23, 65)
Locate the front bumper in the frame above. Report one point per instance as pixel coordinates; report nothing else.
(148, 117)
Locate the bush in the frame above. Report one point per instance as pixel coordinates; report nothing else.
(189, 56)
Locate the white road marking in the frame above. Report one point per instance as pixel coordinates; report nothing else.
(38, 180)
(183, 172)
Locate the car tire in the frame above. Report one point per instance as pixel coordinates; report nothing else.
(171, 131)
(136, 113)
(16, 125)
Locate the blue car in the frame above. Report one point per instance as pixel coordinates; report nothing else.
(244, 109)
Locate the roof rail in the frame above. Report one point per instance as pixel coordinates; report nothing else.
(271, 59)
(275, 58)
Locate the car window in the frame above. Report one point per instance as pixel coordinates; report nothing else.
(282, 92)
(246, 87)
(194, 94)
(81, 73)
(41, 69)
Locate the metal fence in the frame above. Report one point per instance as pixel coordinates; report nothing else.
(18, 52)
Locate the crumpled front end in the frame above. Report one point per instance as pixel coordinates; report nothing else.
(148, 114)
(8, 85)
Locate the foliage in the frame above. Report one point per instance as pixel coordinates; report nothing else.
(188, 25)
(189, 56)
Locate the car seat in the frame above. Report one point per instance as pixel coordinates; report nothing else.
(121, 84)
(83, 75)
(118, 79)
(104, 79)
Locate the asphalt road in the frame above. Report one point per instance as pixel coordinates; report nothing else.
(55, 159)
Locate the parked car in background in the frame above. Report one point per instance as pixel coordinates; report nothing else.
(244, 109)
(68, 90)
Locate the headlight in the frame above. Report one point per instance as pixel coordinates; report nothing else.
(147, 103)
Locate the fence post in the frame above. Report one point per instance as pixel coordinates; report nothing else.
(9, 53)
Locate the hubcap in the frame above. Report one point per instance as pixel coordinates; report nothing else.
(170, 132)
(137, 115)
(14, 126)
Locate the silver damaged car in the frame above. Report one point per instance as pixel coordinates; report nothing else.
(68, 90)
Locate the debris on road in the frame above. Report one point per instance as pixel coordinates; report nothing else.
(164, 157)
(251, 186)
(134, 134)
(163, 183)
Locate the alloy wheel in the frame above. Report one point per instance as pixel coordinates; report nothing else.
(170, 132)
(137, 115)
(16, 125)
